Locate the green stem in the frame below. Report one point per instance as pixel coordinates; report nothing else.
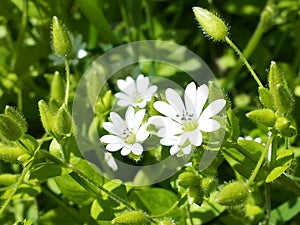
(20, 35)
(236, 49)
(80, 176)
(268, 203)
(261, 160)
(15, 188)
(68, 78)
(261, 28)
(149, 19)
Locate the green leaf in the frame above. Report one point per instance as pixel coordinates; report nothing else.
(244, 157)
(233, 124)
(283, 162)
(156, 200)
(285, 212)
(95, 15)
(45, 170)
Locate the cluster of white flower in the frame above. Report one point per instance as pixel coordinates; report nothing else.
(179, 126)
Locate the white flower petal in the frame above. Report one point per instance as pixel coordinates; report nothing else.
(123, 103)
(169, 141)
(114, 147)
(129, 118)
(212, 109)
(195, 137)
(118, 122)
(174, 149)
(123, 96)
(183, 137)
(202, 96)
(149, 92)
(190, 95)
(142, 133)
(137, 149)
(187, 150)
(161, 121)
(110, 161)
(141, 104)
(209, 125)
(138, 118)
(130, 90)
(125, 151)
(108, 126)
(122, 84)
(142, 83)
(110, 139)
(175, 100)
(168, 131)
(167, 110)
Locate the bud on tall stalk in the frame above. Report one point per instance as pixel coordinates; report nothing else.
(61, 38)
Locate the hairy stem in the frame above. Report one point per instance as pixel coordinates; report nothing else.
(68, 78)
(241, 55)
(262, 27)
(261, 160)
(15, 188)
(86, 182)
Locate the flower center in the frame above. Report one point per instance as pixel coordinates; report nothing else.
(188, 122)
(129, 136)
(138, 98)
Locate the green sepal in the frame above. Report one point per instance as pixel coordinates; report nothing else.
(196, 195)
(15, 115)
(130, 218)
(232, 194)
(208, 184)
(288, 132)
(212, 25)
(9, 129)
(283, 99)
(63, 122)
(57, 88)
(264, 117)
(47, 117)
(266, 98)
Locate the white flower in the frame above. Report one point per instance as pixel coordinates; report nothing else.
(183, 121)
(126, 135)
(110, 161)
(135, 93)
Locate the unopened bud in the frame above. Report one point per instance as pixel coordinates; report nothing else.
(264, 117)
(9, 129)
(130, 218)
(211, 24)
(61, 39)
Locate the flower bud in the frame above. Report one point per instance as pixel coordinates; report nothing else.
(211, 24)
(208, 184)
(63, 121)
(130, 218)
(61, 39)
(232, 194)
(237, 211)
(47, 116)
(283, 99)
(266, 98)
(17, 117)
(188, 179)
(10, 154)
(9, 129)
(264, 117)
(7, 179)
(57, 91)
(282, 123)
